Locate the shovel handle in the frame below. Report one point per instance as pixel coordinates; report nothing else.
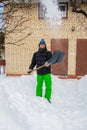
(38, 68)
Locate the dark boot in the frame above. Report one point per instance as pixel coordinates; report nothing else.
(48, 100)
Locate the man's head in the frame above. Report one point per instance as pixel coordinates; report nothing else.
(42, 44)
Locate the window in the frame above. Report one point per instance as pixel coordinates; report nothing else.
(62, 8)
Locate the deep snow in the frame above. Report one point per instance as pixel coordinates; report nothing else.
(20, 109)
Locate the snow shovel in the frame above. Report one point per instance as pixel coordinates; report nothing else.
(56, 58)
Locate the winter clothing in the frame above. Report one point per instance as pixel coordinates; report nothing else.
(42, 42)
(43, 75)
(29, 72)
(47, 64)
(39, 58)
(48, 83)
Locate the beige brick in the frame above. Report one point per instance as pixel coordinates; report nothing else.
(18, 58)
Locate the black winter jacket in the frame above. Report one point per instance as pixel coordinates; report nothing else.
(39, 58)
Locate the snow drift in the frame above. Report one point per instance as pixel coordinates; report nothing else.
(20, 109)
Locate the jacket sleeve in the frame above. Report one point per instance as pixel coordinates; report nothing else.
(33, 62)
(49, 55)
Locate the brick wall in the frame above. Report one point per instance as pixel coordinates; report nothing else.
(18, 56)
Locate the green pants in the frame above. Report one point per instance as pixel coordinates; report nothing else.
(48, 84)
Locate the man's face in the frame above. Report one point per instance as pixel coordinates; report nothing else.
(42, 46)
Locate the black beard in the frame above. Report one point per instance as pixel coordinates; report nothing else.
(42, 49)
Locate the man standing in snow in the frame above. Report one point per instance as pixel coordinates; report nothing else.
(44, 74)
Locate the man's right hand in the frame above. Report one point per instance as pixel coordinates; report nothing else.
(29, 72)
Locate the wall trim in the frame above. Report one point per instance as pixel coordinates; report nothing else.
(61, 77)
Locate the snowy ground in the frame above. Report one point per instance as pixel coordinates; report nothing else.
(20, 109)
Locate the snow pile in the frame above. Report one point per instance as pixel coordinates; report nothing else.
(20, 109)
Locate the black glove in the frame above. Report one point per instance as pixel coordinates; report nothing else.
(29, 72)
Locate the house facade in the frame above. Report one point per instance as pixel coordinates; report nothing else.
(68, 34)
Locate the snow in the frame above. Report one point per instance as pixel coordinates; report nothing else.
(20, 109)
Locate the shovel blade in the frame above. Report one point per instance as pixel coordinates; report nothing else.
(57, 57)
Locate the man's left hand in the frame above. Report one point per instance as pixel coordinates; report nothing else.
(47, 64)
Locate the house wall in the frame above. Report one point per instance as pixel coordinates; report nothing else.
(18, 57)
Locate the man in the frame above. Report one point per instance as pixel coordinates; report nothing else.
(44, 74)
